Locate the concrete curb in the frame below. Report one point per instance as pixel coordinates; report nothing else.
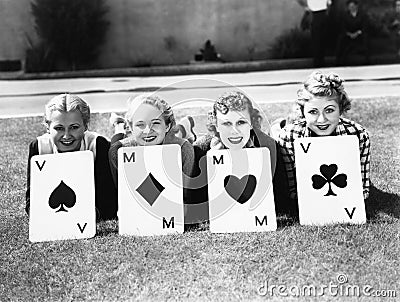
(196, 68)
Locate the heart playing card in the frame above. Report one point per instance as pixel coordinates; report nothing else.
(62, 197)
(240, 191)
(150, 192)
(329, 183)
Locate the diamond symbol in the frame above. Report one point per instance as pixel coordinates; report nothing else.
(150, 189)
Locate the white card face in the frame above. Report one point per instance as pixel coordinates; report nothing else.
(62, 197)
(240, 191)
(329, 184)
(150, 193)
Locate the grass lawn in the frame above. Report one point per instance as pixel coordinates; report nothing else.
(198, 265)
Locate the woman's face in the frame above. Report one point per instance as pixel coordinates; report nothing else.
(148, 125)
(322, 114)
(234, 128)
(66, 130)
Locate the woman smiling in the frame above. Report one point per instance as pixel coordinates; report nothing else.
(320, 105)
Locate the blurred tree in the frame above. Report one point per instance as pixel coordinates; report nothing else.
(73, 30)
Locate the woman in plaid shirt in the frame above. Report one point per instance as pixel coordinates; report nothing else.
(320, 104)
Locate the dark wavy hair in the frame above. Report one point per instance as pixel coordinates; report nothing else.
(237, 101)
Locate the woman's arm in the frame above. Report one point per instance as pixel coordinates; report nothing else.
(113, 161)
(286, 144)
(33, 150)
(106, 191)
(365, 162)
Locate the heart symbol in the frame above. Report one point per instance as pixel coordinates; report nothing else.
(240, 189)
(328, 171)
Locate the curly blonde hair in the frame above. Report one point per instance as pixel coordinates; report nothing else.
(319, 84)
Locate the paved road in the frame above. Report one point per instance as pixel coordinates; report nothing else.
(26, 98)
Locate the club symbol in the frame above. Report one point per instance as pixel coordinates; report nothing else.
(150, 189)
(328, 173)
(62, 196)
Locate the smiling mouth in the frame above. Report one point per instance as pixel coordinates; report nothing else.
(149, 139)
(235, 140)
(67, 143)
(323, 127)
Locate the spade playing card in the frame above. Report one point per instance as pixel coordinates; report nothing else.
(240, 191)
(150, 192)
(62, 197)
(329, 184)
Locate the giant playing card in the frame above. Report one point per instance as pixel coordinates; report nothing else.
(329, 184)
(62, 196)
(150, 192)
(240, 191)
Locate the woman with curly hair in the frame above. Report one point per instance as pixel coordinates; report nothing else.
(319, 109)
(234, 124)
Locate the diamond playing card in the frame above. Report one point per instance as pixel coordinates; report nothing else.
(240, 191)
(62, 197)
(329, 184)
(150, 192)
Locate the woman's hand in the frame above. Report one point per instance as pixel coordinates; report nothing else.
(216, 144)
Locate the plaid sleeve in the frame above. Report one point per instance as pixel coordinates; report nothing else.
(286, 143)
(365, 161)
(349, 127)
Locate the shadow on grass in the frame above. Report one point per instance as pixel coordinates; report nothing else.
(106, 227)
(382, 205)
(286, 221)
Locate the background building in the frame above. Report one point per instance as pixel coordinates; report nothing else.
(164, 32)
(160, 32)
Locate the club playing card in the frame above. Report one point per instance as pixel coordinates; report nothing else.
(240, 191)
(62, 197)
(150, 192)
(329, 184)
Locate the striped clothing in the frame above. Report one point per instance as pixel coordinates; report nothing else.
(345, 127)
(47, 146)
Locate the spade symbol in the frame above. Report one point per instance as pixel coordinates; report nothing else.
(62, 196)
(328, 173)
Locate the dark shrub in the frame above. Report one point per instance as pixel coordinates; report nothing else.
(294, 43)
(39, 58)
(71, 30)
